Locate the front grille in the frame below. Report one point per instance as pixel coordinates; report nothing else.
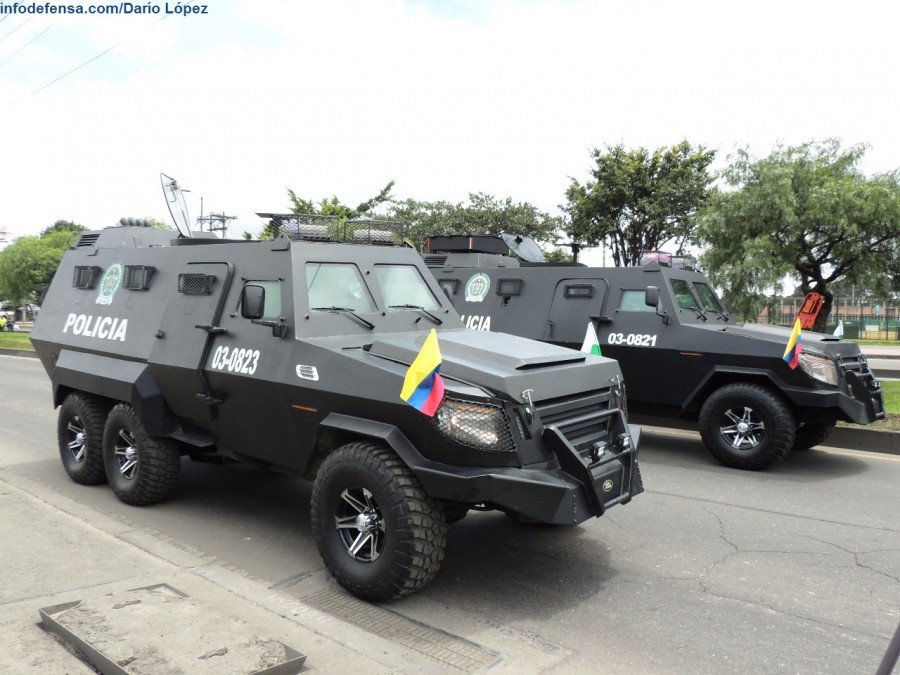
(858, 364)
(583, 419)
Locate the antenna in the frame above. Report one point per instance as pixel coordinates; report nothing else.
(177, 207)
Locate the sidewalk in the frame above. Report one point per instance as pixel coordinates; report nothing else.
(881, 351)
(57, 551)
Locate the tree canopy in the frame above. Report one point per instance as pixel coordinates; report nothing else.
(484, 214)
(638, 200)
(28, 264)
(804, 212)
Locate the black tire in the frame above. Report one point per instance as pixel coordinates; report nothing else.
(380, 535)
(80, 434)
(747, 426)
(141, 470)
(811, 434)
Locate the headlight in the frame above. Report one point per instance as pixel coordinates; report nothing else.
(476, 425)
(819, 368)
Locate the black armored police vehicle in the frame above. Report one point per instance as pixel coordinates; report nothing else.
(682, 355)
(292, 355)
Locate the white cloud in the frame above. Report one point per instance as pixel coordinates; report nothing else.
(446, 98)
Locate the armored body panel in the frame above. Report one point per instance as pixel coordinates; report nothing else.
(292, 356)
(681, 354)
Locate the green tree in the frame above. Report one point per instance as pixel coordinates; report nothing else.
(804, 212)
(328, 207)
(29, 263)
(640, 201)
(484, 214)
(62, 226)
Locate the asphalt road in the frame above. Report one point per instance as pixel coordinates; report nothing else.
(711, 570)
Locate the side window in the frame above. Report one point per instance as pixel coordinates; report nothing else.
(337, 286)
(272, 309)
(633, 301)
(683, 294)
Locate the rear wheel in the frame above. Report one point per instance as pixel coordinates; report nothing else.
(141, 470)
(747, 426)
(811, 434)
(380, 535)
(80, 435)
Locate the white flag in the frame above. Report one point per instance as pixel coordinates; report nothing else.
(591, 343)
(839, 331)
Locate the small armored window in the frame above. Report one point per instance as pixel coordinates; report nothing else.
(449, 286)
(137, 277)
(196, 283)
(86, 276)
(509, 287)
(578, 291)
(272, 308)
(634, 301)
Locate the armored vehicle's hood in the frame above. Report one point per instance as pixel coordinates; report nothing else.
(507, 364)
(781, 334)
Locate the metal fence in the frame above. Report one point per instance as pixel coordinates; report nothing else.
(873, 319)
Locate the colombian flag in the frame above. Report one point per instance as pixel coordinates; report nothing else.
(794, 347)
(423, 387)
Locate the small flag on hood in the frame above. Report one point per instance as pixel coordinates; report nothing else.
(591, 344)
(423, 387)
(839, 330)
(794, 347)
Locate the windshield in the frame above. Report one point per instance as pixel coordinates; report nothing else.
(403, 287)
(708, 298)
(683, 294)
(337, 286)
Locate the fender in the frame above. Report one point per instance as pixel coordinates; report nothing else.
(116, 379)
(696, 398)
(388, 433)
(811, 396)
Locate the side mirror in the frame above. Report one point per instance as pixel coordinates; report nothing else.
(253, 301)
(651, 298)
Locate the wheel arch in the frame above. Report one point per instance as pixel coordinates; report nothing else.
(337, 430)
(117, 380)
(722, 376)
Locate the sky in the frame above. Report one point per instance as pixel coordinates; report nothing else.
(447, 98)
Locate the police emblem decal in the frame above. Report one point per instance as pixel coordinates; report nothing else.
(477, 287)
(109, 284)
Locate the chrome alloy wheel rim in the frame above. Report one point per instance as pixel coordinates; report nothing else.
(360, 525)
(126, 454)
(743, 430)
(77, 444)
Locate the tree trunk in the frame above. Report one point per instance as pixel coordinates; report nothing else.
(822, 318)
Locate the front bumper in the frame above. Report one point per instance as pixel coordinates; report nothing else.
(859, 400)
(567, 494)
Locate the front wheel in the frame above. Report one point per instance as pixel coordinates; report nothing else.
(747, 426)
(141, 469)
(379, 534)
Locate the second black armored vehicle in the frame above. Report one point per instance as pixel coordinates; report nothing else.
(292, 355)
(682, 355)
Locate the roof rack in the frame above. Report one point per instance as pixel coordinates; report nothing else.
(314, 227)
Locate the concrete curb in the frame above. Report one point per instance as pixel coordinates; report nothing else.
(18, 352)
(848, 438)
